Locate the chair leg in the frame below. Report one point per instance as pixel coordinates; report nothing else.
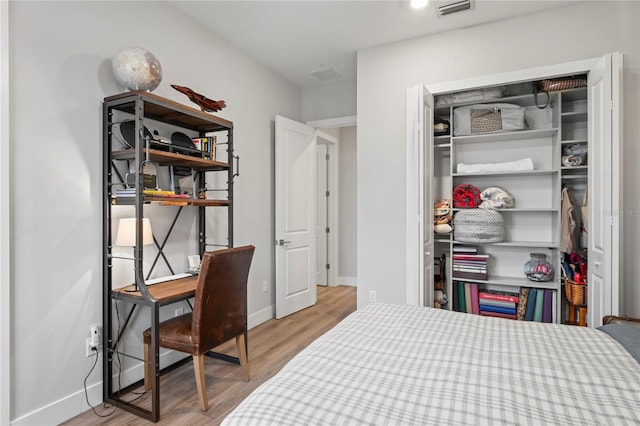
(198, 369)
(147, 367)
(241, 345)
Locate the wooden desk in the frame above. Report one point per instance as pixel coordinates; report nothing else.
(166, 292)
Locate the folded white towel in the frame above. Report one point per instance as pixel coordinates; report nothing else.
(508, 166)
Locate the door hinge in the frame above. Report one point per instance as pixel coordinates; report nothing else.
(326, 157)
(326, 229)
(327, 266)
(326, 194)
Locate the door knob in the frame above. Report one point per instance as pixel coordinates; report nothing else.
(283, 242)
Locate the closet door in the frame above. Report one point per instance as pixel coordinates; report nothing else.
(419, 163)
(604, 100)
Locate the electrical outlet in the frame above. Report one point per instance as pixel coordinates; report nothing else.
(178, 312)
(94, 336)
(89, 348)
(372, 296)
(265, 286)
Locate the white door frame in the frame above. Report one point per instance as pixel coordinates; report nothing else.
(5, 221)
(414, 251)
(332, 242)
(332, 215)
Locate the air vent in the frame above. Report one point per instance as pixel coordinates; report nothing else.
(454, 7)
(325, 74)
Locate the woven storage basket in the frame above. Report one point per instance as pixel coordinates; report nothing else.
(486, 120)
(576, 293)
(479, 226)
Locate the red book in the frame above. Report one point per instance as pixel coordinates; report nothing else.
(498, 314)
(500, 296)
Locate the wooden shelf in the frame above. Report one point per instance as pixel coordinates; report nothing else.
(198, 202)
(167, 111)
(164, 158)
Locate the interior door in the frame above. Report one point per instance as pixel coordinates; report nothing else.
(604, 99)
(295, 216)
(419, 163)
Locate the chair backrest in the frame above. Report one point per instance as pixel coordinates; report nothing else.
(220, 304)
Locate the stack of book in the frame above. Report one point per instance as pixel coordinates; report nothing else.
(131, 192)
(498, 304)
(471, 266)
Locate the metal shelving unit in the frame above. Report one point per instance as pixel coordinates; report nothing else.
(144, 107)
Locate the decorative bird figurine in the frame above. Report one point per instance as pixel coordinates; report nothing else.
(205, 104)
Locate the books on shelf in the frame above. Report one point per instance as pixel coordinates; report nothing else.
(131, 193)
(207, 145)
(470, 266)
(537, 310)
(522, 303)
(531, 304)
(528, 304)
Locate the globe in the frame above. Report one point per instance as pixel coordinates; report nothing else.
(137, 69)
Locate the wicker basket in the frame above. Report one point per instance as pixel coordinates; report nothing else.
(486, 120)
(478, 226)
(576, 293)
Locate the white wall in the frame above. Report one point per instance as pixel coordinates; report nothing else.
(347, 219)
(61, 71)
(580, 31)
(328, 101)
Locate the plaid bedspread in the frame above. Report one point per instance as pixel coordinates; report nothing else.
(404, 365)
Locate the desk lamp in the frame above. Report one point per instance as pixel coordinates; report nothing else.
(126, 236)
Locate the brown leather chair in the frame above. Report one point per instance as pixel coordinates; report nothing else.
(219, 314)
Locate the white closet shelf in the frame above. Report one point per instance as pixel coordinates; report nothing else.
(532, 244)
(507, 136)
(516, 173)
(512, 282)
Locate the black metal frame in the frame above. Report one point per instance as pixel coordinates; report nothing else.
(161, 110)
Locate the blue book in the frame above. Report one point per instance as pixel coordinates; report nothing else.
(499, 309)
(537, 312)
(462, 303)
(531, 304)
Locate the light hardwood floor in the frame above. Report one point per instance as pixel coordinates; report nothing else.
(271, 345)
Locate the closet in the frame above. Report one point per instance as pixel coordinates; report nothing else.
(571, 137)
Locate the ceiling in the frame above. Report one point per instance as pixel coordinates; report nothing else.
(296, 38)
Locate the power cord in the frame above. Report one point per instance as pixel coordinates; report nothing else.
(86, 396)
(105, 405)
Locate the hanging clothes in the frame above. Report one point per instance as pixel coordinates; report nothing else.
(568, 223)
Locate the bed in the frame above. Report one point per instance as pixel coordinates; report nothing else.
(406, 365)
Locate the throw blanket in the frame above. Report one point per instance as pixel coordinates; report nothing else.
(408, 365)
(508, 166)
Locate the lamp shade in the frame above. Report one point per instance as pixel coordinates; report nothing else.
(126, 235)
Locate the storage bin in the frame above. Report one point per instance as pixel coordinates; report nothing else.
(486, 118)
(478, 226)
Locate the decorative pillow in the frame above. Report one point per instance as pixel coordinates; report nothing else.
(496, 197)
(466, 196)
(628, 335)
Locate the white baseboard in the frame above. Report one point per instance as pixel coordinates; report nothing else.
(76, 403)
(352, 281)
(261, 316)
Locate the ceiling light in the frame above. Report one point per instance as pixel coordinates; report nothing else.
(419, 4)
